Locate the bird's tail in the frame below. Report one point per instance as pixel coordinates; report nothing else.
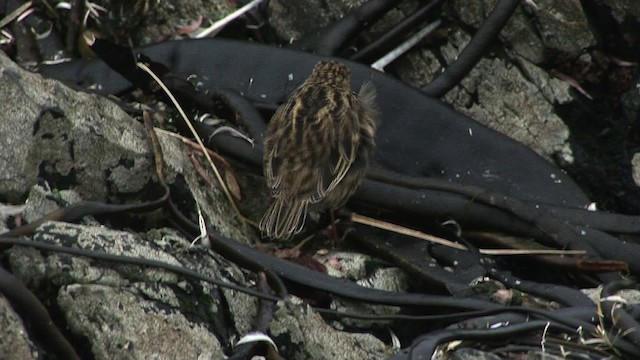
(284, 218)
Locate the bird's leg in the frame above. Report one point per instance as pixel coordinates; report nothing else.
(333, 229)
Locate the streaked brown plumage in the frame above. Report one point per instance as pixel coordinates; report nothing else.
(317, 147)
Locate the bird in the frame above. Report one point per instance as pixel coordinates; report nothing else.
(317, 147)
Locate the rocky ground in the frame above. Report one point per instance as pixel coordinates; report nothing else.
(562, 80)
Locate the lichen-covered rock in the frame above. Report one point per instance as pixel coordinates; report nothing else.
(516, 101)
(128, 311)
(14, 342)
(75, 140)
(310, 337)
(49, 130)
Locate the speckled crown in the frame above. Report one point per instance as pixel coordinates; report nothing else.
(331, 72)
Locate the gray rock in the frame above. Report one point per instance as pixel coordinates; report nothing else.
(86, 148)
(550, 25)
(292, 20)
(82, 140)
(523, 112)
(14, 342)
(563, 26)
(471, 354)
(125, 311)
(621, 9)
(143, 23)
(635, 165)
(514, 100)
(366, 272)
(312, 338)
(520, 31)
(140, 329)
(86, 142)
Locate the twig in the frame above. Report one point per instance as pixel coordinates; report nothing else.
(194, 145)
(146, 69)
(404, 47)
(14, 14)
(218, 25)
(361, 219)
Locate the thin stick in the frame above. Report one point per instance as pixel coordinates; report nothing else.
(361, 219)
(405, 46)
(218, 25)
(15, 14)
(194, 145)
(146, 69)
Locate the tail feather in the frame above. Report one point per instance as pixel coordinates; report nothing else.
(284, 218)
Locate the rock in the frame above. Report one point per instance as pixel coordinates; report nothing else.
(635, 164)
(366, 272)
(15, 342)
(516, 101)
(126, 311)
(563, 26)
(69, 137)
(65, 146)
(312, 338)
(87, 143)
(532, 31)
(142, 23)
(520, 31)
(293, 20)
(141, 329)
(622, 9)
(85, 147)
